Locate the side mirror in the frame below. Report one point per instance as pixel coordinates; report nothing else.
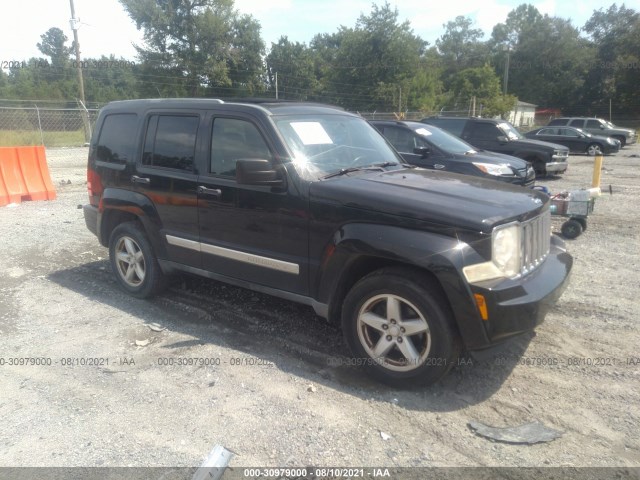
(601, 127)
(258, 172)
(422, 151)
(502, 139)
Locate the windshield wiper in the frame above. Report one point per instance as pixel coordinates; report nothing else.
(344, 171)
(393, 164)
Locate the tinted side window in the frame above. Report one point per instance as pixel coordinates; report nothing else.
(401, 139)
(117, 142)
(548, 131)
(233, 139)
(485, 131)
(593, 124)
(576, 123)
(171, 141)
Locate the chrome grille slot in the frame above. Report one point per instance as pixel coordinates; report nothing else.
(536, 242)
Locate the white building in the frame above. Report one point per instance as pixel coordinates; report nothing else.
(523, 115)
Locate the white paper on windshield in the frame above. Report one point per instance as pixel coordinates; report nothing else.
(311, 133)
(423, 131)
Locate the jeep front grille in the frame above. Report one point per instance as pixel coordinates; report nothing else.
(536, 242)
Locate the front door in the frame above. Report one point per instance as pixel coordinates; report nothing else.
(254, 233)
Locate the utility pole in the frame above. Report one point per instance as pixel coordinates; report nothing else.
(400, 99)
(507, 49)
(276, 85)
(74, 26)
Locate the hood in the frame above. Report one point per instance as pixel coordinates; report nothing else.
(496, 158)
(540, 143)
(459, 201)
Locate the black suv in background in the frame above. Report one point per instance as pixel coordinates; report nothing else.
(501, 137)
(427, 146)
(598, 126)
(311, 204)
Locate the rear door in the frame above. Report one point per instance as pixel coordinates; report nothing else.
(166, 175)
(595, 127)
(573, 140)
(484, 135)
(258, 234)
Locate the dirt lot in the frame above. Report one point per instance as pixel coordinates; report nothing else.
(270, 392)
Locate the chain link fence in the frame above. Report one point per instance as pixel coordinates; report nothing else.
(64, 132)
(412, 116)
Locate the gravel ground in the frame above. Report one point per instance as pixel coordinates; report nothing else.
(269, 392)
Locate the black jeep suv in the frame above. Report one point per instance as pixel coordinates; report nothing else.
(309, 203)
(501, 137)
(428, 146)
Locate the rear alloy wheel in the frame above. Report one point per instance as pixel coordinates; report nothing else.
(133, 262)
(399, 329)
(594, 149)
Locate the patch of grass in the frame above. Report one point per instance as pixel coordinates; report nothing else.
(17, 138)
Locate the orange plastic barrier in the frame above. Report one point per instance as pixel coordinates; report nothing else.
(24, 175)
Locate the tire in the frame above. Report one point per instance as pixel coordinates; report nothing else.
(133, 261)
(396, 301)
(582, 222)
(623, 140)
(571, 229)
(539, 166)
(594, 149)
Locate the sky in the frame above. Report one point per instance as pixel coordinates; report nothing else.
(106, 29)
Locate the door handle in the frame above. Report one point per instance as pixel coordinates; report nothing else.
(438, 166)
(143, 180)
(212, 192)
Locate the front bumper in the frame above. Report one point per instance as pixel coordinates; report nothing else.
(556, 167)
(518, 306)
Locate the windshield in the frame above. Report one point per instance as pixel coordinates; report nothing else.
(326, 144)
(510, 131)
(444, 141)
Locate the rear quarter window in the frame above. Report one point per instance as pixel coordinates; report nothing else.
(453, 125)
(117, 140)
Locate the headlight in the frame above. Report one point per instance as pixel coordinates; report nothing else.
(492, 169)
(506, 258)
(506, 249)
(611, 141)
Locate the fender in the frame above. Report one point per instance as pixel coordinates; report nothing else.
(131, 203)
(357, 246)
(527, 153)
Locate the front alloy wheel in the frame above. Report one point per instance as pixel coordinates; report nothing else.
(400, 328)
(394, 332)
(594, 149)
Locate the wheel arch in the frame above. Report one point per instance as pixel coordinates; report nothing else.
(432, 257)
(118, 206)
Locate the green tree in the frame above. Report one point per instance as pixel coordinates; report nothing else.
(484, 84)
(615, 72)
(110, 78)
(548, 58)
(294, 64)
(197, 47)
(53, 45)
(370, 62)
(461, 46)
